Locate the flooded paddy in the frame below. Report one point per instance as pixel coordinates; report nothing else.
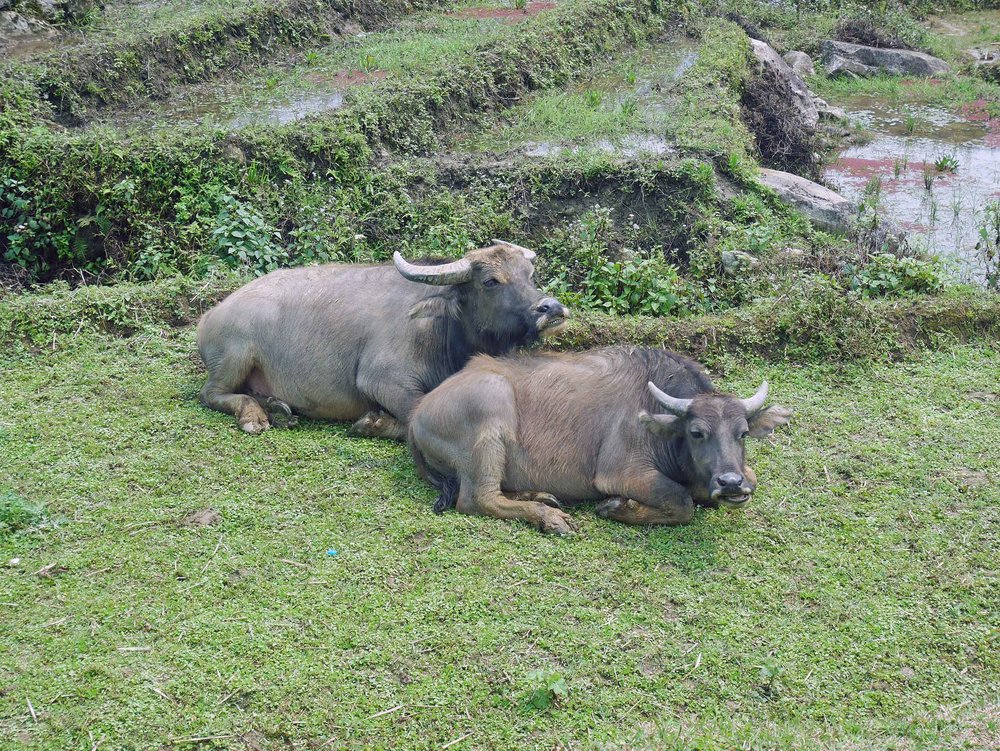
(318, 81)
(930, 169)
(624, 107)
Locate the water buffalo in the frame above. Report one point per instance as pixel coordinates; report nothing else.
(512, 437)
(354, 342)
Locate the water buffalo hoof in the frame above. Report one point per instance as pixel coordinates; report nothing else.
(379, 424)
(251, 418)
(556, 522)
(255, 427)
(609, 506)
(534, 496)
(279, 413)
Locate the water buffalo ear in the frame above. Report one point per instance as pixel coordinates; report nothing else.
(667, 426)
(436, 306)
(764, 422)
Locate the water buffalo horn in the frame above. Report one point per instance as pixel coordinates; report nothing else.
(673, 405)
(528, 254)
(755, 402)
(458, 272)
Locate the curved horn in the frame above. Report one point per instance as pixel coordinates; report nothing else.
(673, 405)
(457, 272)
(528, 254)
(755, 402)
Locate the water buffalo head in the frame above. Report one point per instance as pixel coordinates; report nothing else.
(712, 429)
(493, 293)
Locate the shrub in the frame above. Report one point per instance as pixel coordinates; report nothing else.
(243, 239)
(887, 274)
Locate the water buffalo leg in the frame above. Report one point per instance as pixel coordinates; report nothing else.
(226, 376)
(396, 403)
(480, 495)
(656, 490)
(379, 424)
(629, 511)
(533, 495)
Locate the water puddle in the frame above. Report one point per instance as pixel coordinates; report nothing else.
(933, 170)
(623, 108)
(509, 15)
(630, 146)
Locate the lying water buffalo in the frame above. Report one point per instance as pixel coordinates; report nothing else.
(351, 342)
(507, 437)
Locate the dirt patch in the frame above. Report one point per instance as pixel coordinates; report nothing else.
(345, 78)
(203, 518)
(510, 15)
(972, 478)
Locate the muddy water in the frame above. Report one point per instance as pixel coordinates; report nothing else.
(941, 208)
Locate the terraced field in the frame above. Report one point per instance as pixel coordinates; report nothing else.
(168, 582)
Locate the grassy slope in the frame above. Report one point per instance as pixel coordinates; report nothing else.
(862, 574)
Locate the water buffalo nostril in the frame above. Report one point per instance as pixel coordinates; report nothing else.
(730, 480)
(543, 308)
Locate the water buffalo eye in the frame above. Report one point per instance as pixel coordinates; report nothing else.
(697, 435)
(490, 283)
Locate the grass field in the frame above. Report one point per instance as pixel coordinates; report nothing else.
(854, 605)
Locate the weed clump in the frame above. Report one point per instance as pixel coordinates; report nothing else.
(19, 515)
(889, 26)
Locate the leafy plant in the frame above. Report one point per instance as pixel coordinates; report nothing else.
(887, 274)
(520, 4)
(312, 58)
(769, 673)
(243, 238)
(946, 163)
(988, 246)
(367, 62)
(17, 514)
(549, 687)
(629, 106)
(31, 233)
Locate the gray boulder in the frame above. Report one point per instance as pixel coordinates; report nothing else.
(797, 92)
(844, 58)
(986, 61)
(827, 111)
(800, 63)
(826, 209)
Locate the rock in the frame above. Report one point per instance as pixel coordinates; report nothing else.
(797, 92)
(844, 58)
(827, 210)
(735, 261)
(800, 63)
(47, 9)
(986, 61)
(15, 25)
(792, 256)
(827, 112)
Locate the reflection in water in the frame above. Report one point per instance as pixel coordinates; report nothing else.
(908, 143)
(629, 146)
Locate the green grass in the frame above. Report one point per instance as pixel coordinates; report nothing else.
(977, 28)
(950, 92)
(420, 44)
(853, 605)
(633, 93)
